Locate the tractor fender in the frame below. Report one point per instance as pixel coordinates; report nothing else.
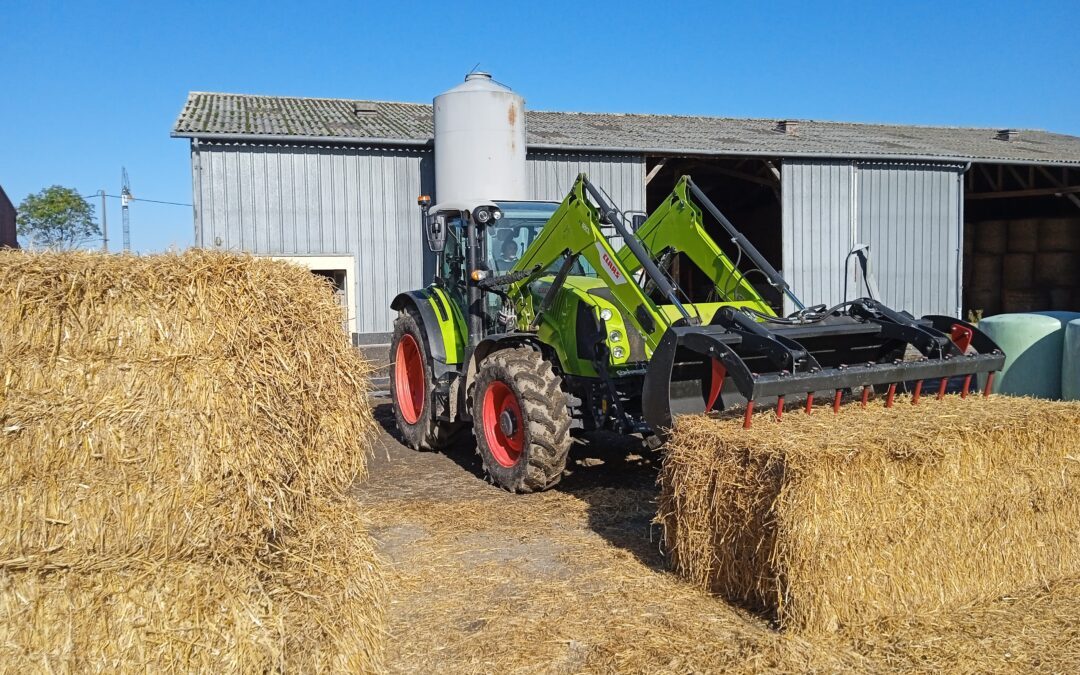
(481, 351)
(419, 303)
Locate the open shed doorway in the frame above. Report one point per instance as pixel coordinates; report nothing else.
(747, 192)
(1021, 239)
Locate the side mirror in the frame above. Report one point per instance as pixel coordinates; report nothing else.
(637, 220)
(436, 232)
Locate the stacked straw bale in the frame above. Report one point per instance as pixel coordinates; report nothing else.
(824, 522)
(177, 432)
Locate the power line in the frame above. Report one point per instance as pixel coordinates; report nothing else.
(136, 199)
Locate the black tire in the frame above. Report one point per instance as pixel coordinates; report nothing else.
(425, 432)
(544, 441)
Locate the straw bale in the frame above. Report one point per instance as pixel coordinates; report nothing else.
(986, 272)
(992, 236)
(1023, 236)
(1034, 300)
(309, 609)
(178, 432)
(1018, 270)
(826, 523)
(1061, 269)
(1059, 234)
(165, 405)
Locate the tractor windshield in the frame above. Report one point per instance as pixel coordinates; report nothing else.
(509, 236)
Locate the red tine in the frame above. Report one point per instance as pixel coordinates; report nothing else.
(836, 401)
(865, 394)
(967, 386)
(917, 394)
(779, 407)
(989, 384)
(749, 414)
(941, 388)
(892, 394)
(809, 402)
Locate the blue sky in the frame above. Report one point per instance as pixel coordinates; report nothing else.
(86, 88)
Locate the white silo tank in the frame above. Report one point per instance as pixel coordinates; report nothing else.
(479, 141)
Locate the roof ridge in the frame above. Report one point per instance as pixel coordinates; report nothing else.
(725, 118)
(304, 98)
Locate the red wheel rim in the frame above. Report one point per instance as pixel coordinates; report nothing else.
(409, 379)
(500, 404)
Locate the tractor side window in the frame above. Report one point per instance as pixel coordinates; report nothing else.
(452, 260)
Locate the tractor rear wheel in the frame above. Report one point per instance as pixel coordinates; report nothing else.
(520, 420)
(412, 387)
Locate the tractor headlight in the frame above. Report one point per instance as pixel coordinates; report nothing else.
(618, 352)
(614, 336)
(482, 215)
(605, 314)
(496, 214)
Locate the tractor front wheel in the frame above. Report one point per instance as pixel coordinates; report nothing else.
(520, 420)
(412, 387)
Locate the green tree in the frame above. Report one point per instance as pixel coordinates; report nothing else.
(57, 218)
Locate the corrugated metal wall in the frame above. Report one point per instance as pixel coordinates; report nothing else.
(320, 200)
(909, 214)
(817, 222)
(309, 200)
(551, 176)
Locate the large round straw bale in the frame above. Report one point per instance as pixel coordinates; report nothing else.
(1018, 271)
(991, 236)
(1059, 234)
(1023, 236)
(986, 272)
(825, 522)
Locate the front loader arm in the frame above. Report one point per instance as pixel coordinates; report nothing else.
(574, 232)
(677, 226)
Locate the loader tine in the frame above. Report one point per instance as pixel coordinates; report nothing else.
(779, 407)
(941, 388)
(967, 386)
(891, 395)
(865, 394)
(748, 415)
(809, 402)
(989, 384)
(716, 382)
(918, 392)
(836, 401)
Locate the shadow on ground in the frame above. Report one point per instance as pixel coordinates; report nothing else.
(614, 475)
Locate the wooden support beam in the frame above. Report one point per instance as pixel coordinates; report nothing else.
(1024, 183)
(655, 170)
(989, 177)
(752, 178)
(1037, 192)
(773, 170)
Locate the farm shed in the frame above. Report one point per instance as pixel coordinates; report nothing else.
(337, 180)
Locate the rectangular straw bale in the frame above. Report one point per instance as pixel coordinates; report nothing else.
(313, 610)
(178, 432)
(824, 522)
(212, 395)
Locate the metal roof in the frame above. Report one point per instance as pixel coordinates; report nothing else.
(281, 119)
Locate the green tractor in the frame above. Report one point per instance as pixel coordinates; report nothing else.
(535, 327)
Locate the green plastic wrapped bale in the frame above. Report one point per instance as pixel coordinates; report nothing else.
(1033, 344)
(1070, 362)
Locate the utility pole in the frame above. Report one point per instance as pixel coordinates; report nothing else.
(104, 224)
(125, 198)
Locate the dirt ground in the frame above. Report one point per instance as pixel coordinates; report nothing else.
(573, 580)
